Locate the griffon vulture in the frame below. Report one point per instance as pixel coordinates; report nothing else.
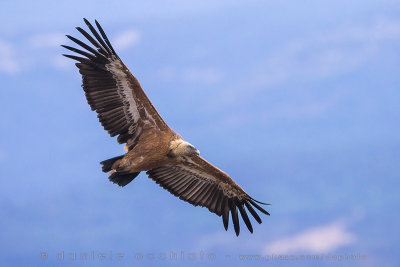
(152, 146)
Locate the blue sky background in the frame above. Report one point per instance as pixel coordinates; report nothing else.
(298, 101)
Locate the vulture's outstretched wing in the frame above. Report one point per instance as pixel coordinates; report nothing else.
(122, 106)
(198, 182)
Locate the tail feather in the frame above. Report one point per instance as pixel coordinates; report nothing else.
(107, 164)
(122, 179)
(117, 177)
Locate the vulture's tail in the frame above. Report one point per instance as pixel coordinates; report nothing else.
(122, 179)
(107, 164)
(119, 178)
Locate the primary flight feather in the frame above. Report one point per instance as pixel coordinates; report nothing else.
(152, 146)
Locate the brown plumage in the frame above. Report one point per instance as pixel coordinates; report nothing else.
(152, 146)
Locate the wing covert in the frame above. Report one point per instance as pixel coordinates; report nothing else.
(196, 181)
(111, 90)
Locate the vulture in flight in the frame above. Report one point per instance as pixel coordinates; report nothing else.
(125, 111)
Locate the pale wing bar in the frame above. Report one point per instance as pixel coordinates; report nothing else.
(110, 89)
(200, 189)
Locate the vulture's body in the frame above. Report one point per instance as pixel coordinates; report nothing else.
(152, 146)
